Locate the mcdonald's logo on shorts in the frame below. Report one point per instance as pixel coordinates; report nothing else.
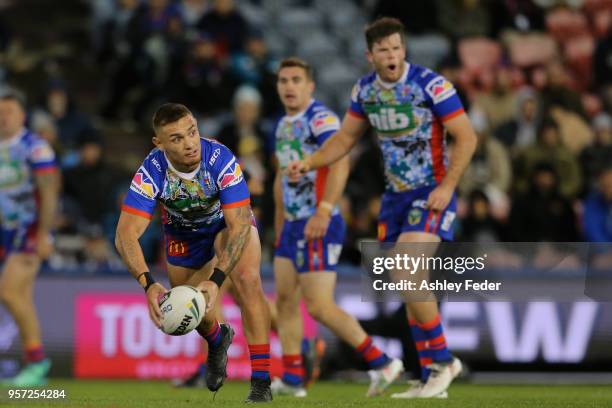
(177, 248)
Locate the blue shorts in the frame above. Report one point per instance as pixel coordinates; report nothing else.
(318, 255)
(21, 239)
(191, 249)
(407, 211)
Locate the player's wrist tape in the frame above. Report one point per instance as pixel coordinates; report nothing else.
(148, 280)
(218, 276)
(326, 207)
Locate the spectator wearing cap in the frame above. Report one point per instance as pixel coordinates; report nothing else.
(598, 155)
(548, 148)
(597, 217)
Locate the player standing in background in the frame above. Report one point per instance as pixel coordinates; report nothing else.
(206, 213)
(310, 233)
(409, 107)
(29, 188)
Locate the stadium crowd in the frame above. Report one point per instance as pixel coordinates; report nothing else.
(534, 75)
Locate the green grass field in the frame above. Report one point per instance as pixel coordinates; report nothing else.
(152, 394)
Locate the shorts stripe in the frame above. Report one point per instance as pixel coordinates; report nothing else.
(320, 250)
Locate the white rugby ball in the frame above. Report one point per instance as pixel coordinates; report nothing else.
(182, 310)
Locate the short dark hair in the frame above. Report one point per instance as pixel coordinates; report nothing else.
(296, 62)
(14, 95)
(383, 27)
(169, 113)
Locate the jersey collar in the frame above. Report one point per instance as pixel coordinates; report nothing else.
(389, 85)
(298, 115)
(187, 176)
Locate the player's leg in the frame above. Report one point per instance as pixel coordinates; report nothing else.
(16, 293)
(438, 367)
(318, 292)
(290, 328)
(254, 312)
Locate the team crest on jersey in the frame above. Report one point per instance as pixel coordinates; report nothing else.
(42, 153)
(142, 184)
(231, 175)
(439, 89)
(324, 122)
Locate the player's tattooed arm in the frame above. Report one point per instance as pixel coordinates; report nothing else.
(239, 223)
(129, 230)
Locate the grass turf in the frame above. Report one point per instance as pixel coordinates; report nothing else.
(152, 394)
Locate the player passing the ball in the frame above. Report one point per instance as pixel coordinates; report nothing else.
(29, 189)
(209, 234)
(310, 233)
(410, 108)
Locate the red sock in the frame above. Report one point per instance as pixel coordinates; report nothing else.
(260, 361)
(293, 369)
(34, 354)
(372, 354)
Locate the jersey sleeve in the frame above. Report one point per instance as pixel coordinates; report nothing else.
(141, 197)
(355, 108)
(442, 97)
(233, 190)
(324, 124)
(42, 157)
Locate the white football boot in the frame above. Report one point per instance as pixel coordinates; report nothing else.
(434, 387)
(382, 378)
(279, 387)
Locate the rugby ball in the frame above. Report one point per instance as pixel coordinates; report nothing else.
(182, 310)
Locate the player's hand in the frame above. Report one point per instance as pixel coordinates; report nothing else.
(154, 293)
(210, 290)
(439, 198)
(296, 169)
(316, 227)
(44, 245)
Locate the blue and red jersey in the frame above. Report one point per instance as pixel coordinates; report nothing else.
(407, 115)
(190, 202)
(298, 136)
(21, 157)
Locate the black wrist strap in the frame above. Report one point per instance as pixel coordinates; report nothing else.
(218, 276)
(148, 280)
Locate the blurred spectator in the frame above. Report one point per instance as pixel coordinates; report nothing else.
(149, 36)
(192, 11)
(255, 66)
(521, 15)
(201, 81)
(548, 149)
(480, 225)
(90, 186)
(542, 213)
(574, 130)
(244, 137)
(464, 18)
(419, 17)
(226, 26)
(499, 104)
(597, 156)
(73, 126)
(597, 217)
(490, 168)
(521, 131)
(114, 32)
(602, 64)
(558, 91)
